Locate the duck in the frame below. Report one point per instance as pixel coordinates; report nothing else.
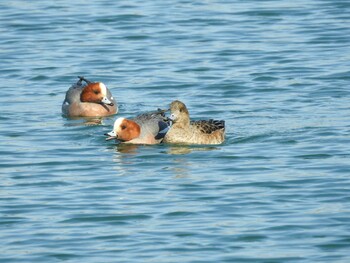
(88, 99)
(185, 131)
(147, 128)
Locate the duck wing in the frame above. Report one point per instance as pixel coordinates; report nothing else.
(208, 126)
(155, 123)
(73, 93)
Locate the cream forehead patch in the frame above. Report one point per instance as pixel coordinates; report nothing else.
(118, 122)
(103, 89)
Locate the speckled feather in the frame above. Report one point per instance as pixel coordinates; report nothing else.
(208, 126)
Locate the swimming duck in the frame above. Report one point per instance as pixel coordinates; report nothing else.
(185, 131)
(89, 99)
(147, 128)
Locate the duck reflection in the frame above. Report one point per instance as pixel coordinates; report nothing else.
(93, 121)
(154, 159)
(186, 149)
(181, 165)
(127, 148)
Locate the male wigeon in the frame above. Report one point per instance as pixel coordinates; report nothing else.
(89, 99)
(185, 131)
(147, 128)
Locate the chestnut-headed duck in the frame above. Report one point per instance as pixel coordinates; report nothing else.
(89, 99)
(147, 128)
(185, 131)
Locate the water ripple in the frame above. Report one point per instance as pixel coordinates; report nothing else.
(275, 191)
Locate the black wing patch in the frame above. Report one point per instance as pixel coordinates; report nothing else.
(163, 129)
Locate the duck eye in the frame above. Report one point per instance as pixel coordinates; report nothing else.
(123, 127)
(96, 92)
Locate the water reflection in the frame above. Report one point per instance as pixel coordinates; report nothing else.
(144, 159)
(179, 150)
(127, 148)
(186, 149)
(180, 167)
(77, 121)
(164, 148)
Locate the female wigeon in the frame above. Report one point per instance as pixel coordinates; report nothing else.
(147, 128)
(89, 99)
(185, 131)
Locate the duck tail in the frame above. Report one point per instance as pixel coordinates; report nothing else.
(81, 79)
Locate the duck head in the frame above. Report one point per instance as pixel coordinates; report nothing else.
(96, 93)
(179, 113)
(124, 130)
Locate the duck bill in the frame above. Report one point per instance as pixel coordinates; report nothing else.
(106, 101)
(111, 136)
(172, 117)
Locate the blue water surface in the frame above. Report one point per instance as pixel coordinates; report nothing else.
(277, 190)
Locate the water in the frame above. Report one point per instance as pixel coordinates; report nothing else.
(276, 191)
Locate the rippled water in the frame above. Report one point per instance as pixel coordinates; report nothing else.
(276, 191)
